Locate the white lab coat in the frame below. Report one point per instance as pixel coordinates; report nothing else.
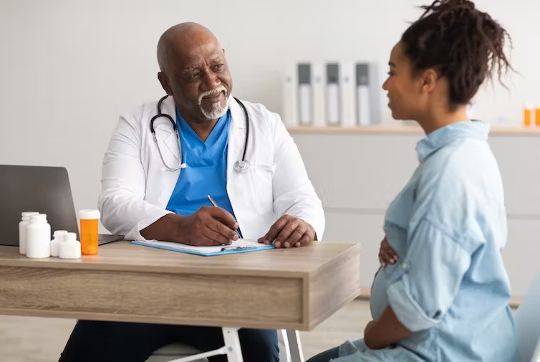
(136, 188)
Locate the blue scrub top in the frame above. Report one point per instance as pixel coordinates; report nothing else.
(206, 170)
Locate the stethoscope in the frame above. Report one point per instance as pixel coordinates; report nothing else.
(242, 166)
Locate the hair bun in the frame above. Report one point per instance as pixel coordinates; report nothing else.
(458, 4)
(449, 6)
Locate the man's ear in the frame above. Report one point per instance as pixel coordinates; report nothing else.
(165, 83)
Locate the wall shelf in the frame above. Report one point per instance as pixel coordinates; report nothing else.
(503, 131)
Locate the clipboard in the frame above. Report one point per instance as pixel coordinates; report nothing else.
(237, 247)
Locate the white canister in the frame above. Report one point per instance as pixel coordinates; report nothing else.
(22, 230)
(58, 237)
(70, 248)
(38, 237)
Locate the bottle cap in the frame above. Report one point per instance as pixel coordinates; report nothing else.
(58, 233)
(38, 218)
(29, 213)
(89, 214)
(70, 237)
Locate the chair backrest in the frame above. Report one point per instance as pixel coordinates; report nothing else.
(528, 322)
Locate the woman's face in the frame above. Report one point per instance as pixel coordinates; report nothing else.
(407, 100)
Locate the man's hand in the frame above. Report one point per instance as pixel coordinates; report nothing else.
(208, 226)
(387, 255)
(289, 231)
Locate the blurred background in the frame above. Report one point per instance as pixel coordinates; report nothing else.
(69, 68)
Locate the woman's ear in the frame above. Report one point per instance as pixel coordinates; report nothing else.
(429, 80)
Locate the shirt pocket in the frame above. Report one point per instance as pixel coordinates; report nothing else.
(262, 177)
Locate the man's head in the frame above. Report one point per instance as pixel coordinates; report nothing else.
(194, 71)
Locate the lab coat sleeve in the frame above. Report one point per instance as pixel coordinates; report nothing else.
(422, 287)
(293, 192)
(122, 205)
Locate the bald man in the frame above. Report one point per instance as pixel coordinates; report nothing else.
(158, 174)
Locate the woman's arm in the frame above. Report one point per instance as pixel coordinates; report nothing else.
(386, 331)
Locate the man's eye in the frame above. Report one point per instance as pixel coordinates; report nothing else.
(218, 67)
(194, 76)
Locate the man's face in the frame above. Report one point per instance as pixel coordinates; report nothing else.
(199, 80)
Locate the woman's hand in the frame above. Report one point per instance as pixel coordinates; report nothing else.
(368, 327)
(387, 255)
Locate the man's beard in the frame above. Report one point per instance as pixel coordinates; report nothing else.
(218, 109)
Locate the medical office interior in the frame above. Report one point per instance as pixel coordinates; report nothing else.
(69, 68)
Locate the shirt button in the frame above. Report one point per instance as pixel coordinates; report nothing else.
(404, 266)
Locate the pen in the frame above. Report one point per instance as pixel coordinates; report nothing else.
(215, 205)
(239, 248)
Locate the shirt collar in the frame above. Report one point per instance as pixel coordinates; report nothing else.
(445, 135)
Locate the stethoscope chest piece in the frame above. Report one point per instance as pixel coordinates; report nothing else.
(242, 166)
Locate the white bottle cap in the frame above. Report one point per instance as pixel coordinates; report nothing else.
(89, 214)
(38, 218)
(26, 215)
(70, 237)
(58, 233)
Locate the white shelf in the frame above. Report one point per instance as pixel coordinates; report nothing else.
(511, 131)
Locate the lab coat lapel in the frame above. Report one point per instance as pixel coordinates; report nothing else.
(237, 135)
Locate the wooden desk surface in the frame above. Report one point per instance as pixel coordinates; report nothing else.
(293, 289)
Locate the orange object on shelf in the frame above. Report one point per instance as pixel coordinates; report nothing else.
(527, 117)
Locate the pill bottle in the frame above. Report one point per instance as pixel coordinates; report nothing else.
(22, 230)
(70, 248)
(38, 237)
(58, 237)
(89, 231)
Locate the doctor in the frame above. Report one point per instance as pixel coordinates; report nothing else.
(157, 176)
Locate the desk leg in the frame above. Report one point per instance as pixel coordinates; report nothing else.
(295, 346)
(232, 344)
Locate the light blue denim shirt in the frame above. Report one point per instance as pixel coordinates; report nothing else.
(450, 287)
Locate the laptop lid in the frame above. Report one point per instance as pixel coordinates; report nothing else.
(34, 188)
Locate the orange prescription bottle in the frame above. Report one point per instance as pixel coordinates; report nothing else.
(89, 231)
(527, 116)
(537, 116)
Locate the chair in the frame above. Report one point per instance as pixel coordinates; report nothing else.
(528, 323)
(290, 350)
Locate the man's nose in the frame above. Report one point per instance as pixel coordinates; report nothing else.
(211, 81)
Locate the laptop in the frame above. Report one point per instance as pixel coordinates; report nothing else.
(42, 189)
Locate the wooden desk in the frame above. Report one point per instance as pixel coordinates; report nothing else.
(278, 289)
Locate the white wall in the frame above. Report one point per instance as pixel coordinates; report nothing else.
(68, 68)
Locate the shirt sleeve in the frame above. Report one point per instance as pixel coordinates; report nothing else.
(121, 202)
(424, 285)
(294, 193)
